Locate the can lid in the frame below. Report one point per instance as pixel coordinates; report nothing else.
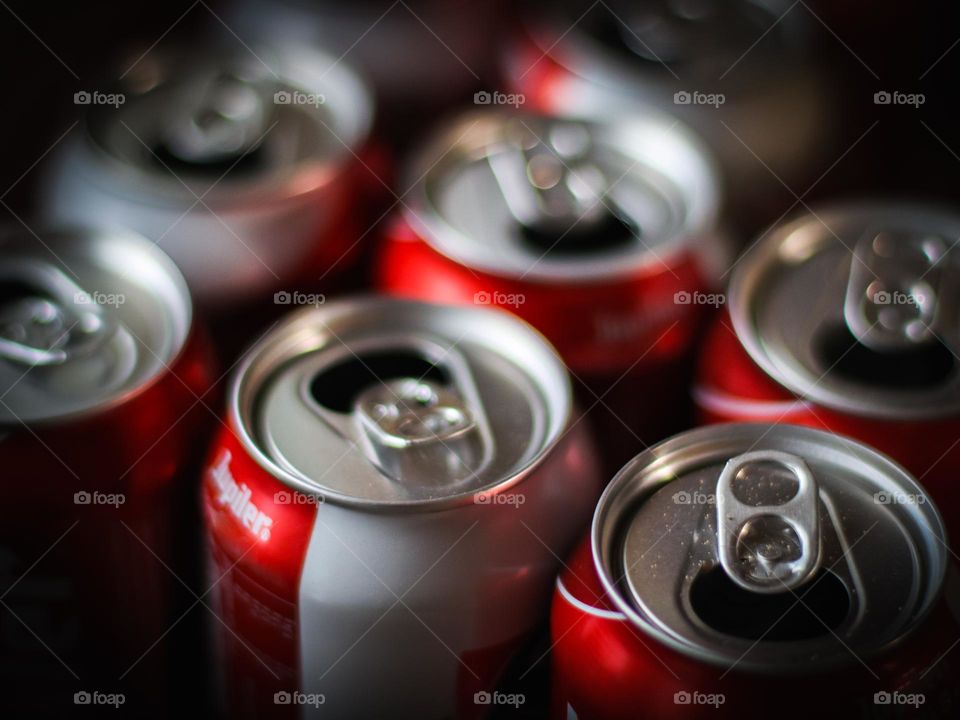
(770, 548)
(223, 121)
(855, 308)
(86, 317)
(391, 404)
(559, 199)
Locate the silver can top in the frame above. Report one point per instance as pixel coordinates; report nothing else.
(87, 317)
(229, 122)
(549, 198)
(391, 404)
(855, 308)
(770, 548)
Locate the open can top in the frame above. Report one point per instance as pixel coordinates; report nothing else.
(222, 122)
(856, 308)
(769, 548)
(87, 317)
(544, 198)
(390, 404)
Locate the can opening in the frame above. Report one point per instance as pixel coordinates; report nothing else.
(730, 609)
(576, 239)
(14, 291)
(246, 163)
(337, 387)
(929, 364)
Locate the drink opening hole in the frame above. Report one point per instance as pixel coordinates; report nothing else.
(730, 609)
(336, 387)
(575, 239)
(246, 163)
(928, 365)
(13, 291)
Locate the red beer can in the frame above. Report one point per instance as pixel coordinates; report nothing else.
(754, 571)
(251, 170)
(736, 71)
(386, 510)
(603, 237)
(102, 385)
(845, 319)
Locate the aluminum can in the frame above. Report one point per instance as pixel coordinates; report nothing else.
(103, 382)
(730, 70)
(247, 167)
(386, 510)
(602, 236)
(845, 319)
(746, 571)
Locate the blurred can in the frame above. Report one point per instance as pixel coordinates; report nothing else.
(602, 236)
(385, 513)
(846, 319)
(102, 380)
(421, 56)
(737, 72)
(246, 168)
(752, 571)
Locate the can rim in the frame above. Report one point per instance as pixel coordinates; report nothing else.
(166, 365)
(612, 501)
(701, 224)
(241, 430)
(750, 272)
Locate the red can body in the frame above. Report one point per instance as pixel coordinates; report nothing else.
(606, 669)
(92, 533)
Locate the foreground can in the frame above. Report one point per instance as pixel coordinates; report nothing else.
(753, 571)
(246, 169)
(102, 376)
(732, 70)
(385, 512)
(603, 237)
(847, 320)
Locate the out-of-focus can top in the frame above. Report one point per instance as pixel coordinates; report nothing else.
(856, 307)
(389, 404)
(261, 121)
(87, 317)
(707, 540)
(553, 199)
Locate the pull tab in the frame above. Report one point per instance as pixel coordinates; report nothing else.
(221, 117)
(767, 548)
(46, 318)
(553, 186)
(895, 290)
